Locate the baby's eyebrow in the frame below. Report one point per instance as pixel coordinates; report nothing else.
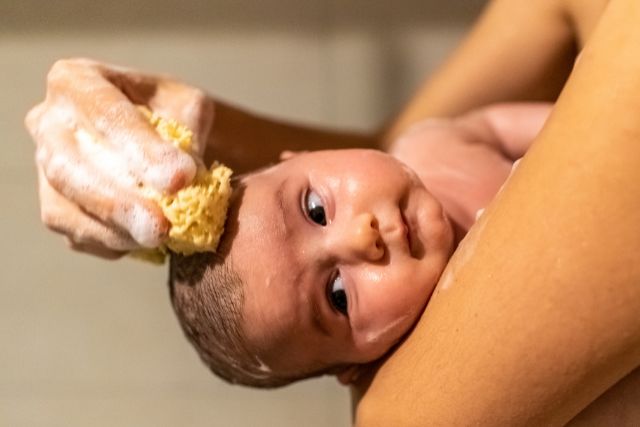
(283, 212)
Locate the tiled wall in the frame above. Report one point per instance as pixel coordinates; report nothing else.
(84, 342)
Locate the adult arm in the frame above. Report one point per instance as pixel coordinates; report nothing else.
(246, 141)
(537, 313)
(518, 50)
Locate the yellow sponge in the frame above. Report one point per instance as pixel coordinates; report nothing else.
(197, 213)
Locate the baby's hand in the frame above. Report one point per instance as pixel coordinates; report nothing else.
(94, 149)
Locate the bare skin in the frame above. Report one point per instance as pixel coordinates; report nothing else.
(380, 240)
(481, 147)
(94, 204)
(519, 50)
(572, 329)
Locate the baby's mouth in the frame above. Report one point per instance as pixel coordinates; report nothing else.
(415, 245)
(408, 235)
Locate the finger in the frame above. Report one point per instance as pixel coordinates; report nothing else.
(165, 95)
(96, 250)
(71, 175)
(106, 110)
(189, 106)
(64, 217)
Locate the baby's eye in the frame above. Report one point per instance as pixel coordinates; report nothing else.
(337, 295)
(314, 209)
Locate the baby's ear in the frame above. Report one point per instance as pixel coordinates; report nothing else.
(288, 154)
(350, 374)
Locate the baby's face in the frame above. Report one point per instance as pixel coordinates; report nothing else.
(339, 252)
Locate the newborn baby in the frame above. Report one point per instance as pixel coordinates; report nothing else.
(330, 257)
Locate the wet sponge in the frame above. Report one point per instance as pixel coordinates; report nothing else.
(197, 213)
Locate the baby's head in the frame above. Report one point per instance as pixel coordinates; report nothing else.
(327, 261)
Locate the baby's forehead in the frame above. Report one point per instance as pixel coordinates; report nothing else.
(271, 319)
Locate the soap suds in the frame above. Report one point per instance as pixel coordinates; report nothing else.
(103, 158)
(262, 367)
(143, 228)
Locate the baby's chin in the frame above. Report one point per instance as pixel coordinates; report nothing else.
(375, 343)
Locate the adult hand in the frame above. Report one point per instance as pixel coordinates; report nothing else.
(94, 150)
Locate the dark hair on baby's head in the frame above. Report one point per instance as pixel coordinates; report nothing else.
(207, 295)
(208, 298)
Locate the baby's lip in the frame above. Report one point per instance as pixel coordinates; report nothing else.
(411, 238)
(416, 245)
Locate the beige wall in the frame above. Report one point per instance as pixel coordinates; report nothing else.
(91, 343)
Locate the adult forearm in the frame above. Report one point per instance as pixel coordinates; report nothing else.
(537, 313)
(506, 57)
(246, 141)
(517, 51)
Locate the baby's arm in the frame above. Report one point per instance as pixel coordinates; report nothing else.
(508, 127)
(465, 160)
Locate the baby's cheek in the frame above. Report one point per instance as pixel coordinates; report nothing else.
(388, 303)
(377, 339)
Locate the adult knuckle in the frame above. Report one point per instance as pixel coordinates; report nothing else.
(33, 117)
(59, 70)
(48, 218)
(81, 236)
(54, 167)
(41, 154)
(64, 71)
(53, 222)
(115, 111)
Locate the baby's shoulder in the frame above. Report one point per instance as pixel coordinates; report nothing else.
(442, 144)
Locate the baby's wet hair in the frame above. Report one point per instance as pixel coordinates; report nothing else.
(208, 297)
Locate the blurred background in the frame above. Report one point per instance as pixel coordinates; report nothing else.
(85, 342)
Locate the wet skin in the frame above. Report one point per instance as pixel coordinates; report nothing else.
(339, 252)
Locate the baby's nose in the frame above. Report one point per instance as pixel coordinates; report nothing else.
(361, 239)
